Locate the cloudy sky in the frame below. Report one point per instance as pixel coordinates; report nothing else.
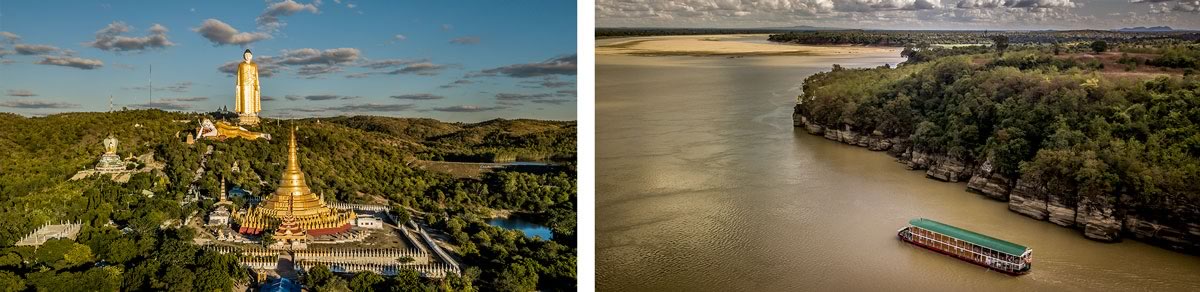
(451, 61)
(901, 14)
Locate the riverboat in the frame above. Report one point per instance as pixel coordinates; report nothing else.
(999, 255)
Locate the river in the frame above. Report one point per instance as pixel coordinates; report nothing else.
(704, 185)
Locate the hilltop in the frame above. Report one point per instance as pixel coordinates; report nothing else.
(133, 233)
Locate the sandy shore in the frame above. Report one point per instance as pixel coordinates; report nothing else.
(721, 45)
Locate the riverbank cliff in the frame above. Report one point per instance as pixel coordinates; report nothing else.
(1106, 219)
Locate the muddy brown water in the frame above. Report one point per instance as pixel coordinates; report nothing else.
(704, 185)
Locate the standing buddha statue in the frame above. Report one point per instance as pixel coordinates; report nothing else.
(247, 98)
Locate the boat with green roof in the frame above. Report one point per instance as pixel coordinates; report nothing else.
(1003, 256)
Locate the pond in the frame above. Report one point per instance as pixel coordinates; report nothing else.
(530, 229)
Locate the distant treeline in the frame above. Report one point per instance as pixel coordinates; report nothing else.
(901, 38)
(634, 32)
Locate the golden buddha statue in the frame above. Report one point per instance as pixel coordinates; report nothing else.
(110, 161)
(247, 91)
(294, 210)
(110, 145)
(222, 130)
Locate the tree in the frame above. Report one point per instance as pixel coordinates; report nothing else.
(11, 259)
(407, 280)
(336, 284)
(402, 215)
(122, 250)
(1000, 43)
(10, 282)
(267, 238)
(78, 255)
(517, 277)
(365, 281)
(102, 279)
(178, 278)
(1099, 46)
(62, 254)
(318, 275)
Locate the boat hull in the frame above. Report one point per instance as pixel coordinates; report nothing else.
(969, 260)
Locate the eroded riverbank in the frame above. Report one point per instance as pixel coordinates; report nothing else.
(1100, 220)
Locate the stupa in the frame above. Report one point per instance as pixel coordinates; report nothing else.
(294, 212)
(220, 214)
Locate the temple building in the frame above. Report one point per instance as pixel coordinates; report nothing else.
(110, 161)
(294, 212)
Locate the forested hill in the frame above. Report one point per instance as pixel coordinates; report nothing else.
(128, 226)
(489, 141)
(1104, 141)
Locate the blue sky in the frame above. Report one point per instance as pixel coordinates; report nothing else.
(454, 61)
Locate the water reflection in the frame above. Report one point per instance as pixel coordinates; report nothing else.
(530, 229)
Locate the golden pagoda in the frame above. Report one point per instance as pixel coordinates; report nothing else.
(293, 210)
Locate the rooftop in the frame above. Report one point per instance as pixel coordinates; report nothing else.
(970, 236)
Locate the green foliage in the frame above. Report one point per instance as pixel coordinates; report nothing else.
(10, 282)
(1179, 57)
(409, 280)
(517, 277)
(318, 275)
(1000, 43)
(1099, 46)
(267, 239)
(365, 281)
(61, 254)
(1086, 136)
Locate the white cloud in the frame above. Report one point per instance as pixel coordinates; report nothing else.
(29, 49)
(20, 93)
(110, 38)
(220, 33)
(309, 56)
(9, 37)
(74, 62)
(269, 19)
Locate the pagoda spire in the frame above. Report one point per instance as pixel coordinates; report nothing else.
(292, 165)
(292, 182)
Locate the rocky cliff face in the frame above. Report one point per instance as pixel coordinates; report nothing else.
(1100, 220)
(1186, 238)
(1061, 211)
(985, 182)
(1028, 199)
